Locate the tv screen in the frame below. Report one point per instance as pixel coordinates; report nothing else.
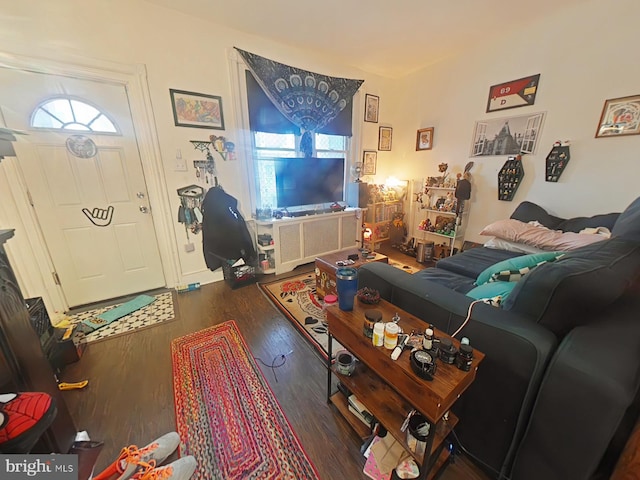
(309, 181)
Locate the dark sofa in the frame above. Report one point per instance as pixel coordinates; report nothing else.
(558, 392)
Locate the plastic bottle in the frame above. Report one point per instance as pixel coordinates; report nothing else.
(427, 341)
(188, 288)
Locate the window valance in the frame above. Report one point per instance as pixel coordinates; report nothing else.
(309, 100)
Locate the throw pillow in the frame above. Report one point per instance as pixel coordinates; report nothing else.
(509, 275)
(491, 290)
(516, 263)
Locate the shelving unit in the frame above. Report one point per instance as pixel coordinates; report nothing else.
(437, 205)
(389, 389)
(269, 251)
(378, 219)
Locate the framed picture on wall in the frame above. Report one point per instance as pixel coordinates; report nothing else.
(197, 110)
(424, 140)
(620, 116)
(369, 159)
(371, 108)
(513, 94)
(507, 135)
(384, 139)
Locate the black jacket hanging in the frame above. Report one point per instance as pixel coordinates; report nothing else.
(225, 235)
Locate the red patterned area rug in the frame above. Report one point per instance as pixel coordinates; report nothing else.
(296, 298)
(226, 413)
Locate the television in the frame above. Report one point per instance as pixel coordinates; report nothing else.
(309, 181)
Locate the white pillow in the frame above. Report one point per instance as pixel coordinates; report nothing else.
(503, 244)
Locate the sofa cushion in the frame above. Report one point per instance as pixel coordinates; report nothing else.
(569, 292)
(451, 280)
(628, 223)
(491, 290)
(578, 224)
(473, 261)
(530, 212)
(516, 263)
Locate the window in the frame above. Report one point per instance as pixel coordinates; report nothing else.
(267, 146)
(64, 113)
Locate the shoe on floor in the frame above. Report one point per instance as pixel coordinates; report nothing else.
(181, 469)
(24, 417)
(132, 458)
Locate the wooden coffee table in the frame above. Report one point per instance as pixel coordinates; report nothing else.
(326, 268)
(390, 389)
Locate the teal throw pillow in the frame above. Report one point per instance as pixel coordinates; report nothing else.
(516, 263)
(493, 289)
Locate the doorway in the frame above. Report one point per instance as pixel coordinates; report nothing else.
(86, 185)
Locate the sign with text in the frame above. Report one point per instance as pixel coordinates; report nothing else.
(516, 93)
(38, 467)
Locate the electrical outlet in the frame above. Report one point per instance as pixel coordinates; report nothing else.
(189, 247)
(181, 164)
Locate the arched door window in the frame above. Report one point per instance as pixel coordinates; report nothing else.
(65, 113)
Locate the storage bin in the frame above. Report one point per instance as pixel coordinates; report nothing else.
(240, 275)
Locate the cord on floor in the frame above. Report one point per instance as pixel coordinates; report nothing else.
(277, 362)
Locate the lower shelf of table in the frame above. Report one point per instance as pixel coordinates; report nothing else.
(384, 403)
(342, 405)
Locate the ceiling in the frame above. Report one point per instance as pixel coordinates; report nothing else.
(391, 38)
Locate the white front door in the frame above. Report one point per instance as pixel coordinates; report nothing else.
(91, 203)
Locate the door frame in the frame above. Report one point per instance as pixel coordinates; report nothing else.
(29, 253)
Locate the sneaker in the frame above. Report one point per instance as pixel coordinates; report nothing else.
(24, 417)
(132, 458)
(181, 469)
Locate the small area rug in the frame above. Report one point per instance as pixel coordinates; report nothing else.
(227, 415)
(296, 298)
(161, 310)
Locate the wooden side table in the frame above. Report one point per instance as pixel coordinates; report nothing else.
(390, 389)
(326, 269)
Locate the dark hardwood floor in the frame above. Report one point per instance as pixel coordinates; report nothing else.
(129, 399)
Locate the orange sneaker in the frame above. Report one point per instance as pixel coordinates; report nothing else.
(181, 469)
(132, 459)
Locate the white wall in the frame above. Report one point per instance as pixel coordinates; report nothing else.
(179, 52)
(585, 55)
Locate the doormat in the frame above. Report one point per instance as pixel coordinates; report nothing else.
(227, 416)
(159, 311)
(296, 298)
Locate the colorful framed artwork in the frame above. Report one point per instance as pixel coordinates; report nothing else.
(507, 135)
(620, 116)
(384, 139)
(369, 159)
(197, 110)
(513, 94)
(371, 108)
(424, 140)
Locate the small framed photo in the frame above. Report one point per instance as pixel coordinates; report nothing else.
(384, 139)
(197, 110)
(620, 116)
(371, 108)
(424, 140)
(369, 159)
